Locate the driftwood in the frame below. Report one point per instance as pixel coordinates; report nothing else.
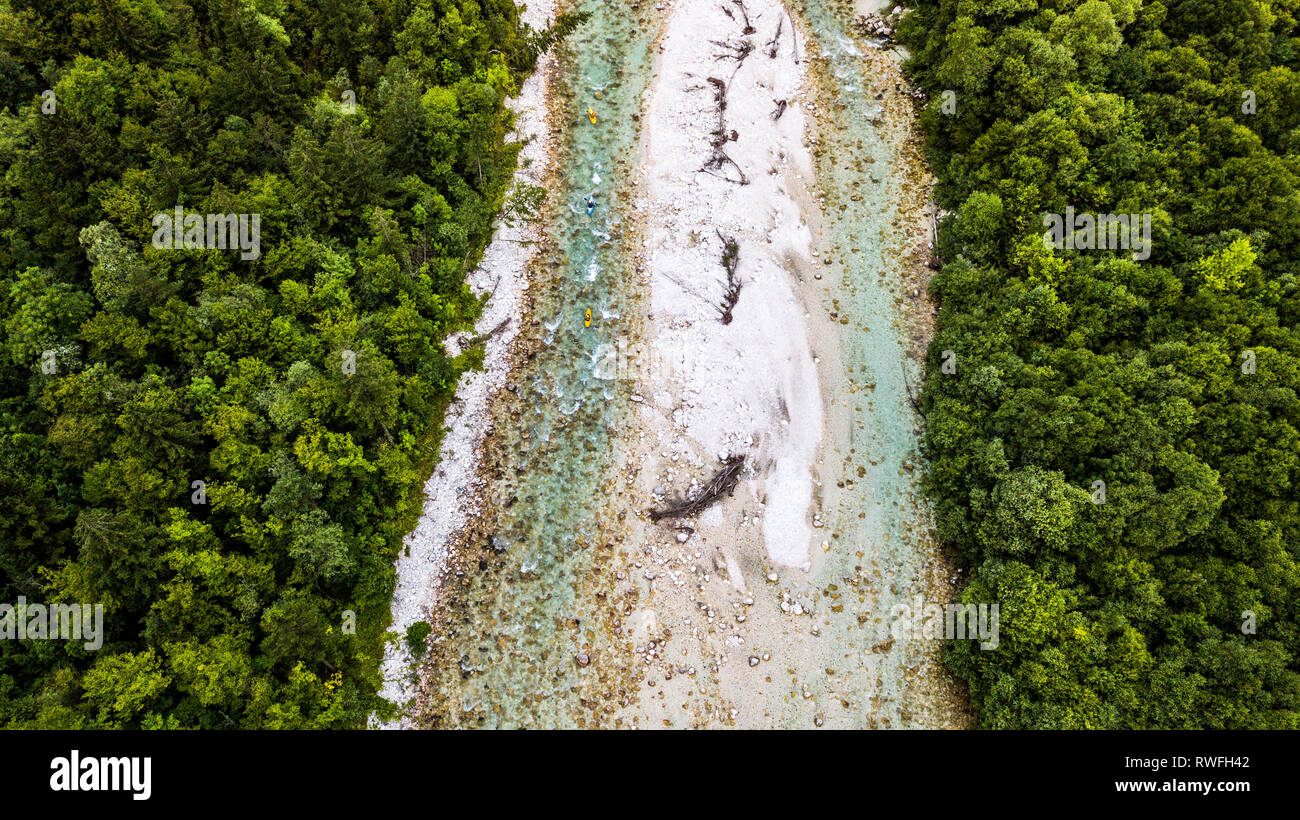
(472, 341)
(907, 383)
(771, 44)
(730, 259)
(494, 331)
(733, 51)
(743, 13)
(933, 260)
(719, 159)
(723, 483)
(780, 109)
(719, 133)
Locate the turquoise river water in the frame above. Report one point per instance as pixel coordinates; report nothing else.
(533, 589)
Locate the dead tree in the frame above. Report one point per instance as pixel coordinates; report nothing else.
(771, 44)
(733, 51)
(719, 159)
(730, 259)
(738, 51)
(780, 109)
(723, 483)
(743, 13)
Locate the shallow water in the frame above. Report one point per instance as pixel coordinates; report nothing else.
(531, 598)
(506, 655)
(876, 524)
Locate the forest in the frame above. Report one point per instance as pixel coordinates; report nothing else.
(222, 442)
(1114, 453)
(225, 449)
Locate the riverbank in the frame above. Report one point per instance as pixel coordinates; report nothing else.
(522, 630)
(453, 494)
(737, 289)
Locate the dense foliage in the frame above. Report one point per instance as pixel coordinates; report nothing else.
(1172, 380)
(226, 605)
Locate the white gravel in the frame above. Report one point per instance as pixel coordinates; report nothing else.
(451, 495)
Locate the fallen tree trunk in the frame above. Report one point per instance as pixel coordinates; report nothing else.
(730, 259)
(719, 159)
(723, 483)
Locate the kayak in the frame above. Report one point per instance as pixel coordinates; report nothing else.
(586, 322)
(591, 205)
(591, 115)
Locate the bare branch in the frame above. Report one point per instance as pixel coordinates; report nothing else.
(771, 44)
(744, 13)
(719, 158)
(730, 259)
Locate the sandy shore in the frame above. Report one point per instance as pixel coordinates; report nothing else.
(451, 495)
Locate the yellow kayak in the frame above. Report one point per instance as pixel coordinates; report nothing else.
(586, 322)
(591, 115)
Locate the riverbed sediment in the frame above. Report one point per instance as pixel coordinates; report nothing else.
(453, 495)
(754, 271)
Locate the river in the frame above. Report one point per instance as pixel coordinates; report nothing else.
(548, 615)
